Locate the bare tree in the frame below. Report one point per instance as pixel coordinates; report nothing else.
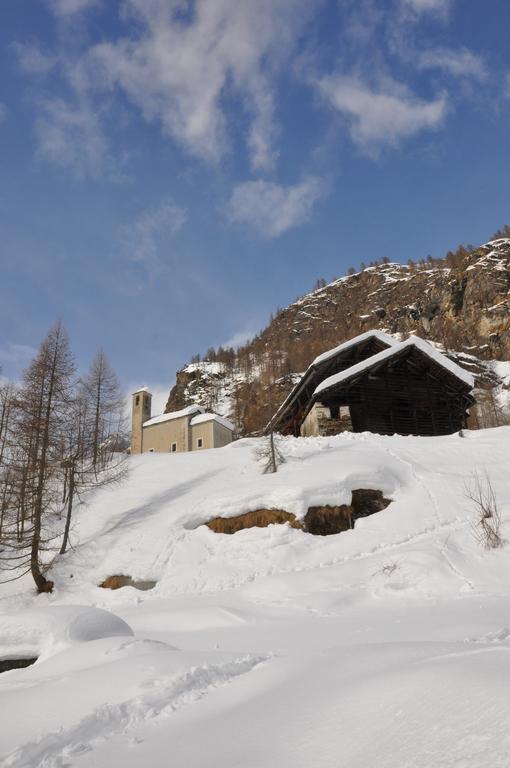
(86, 463)
(59, 438)
(41, 416)
(487, 524)
(105, 406)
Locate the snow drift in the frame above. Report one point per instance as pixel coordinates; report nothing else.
(383, 645)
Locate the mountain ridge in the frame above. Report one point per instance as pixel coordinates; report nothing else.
(460, 303)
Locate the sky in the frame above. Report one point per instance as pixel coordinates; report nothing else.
(172, 171)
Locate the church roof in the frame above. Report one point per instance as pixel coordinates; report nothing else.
(203, 417)
(189, 411)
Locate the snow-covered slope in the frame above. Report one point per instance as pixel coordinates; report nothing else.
(385, 645)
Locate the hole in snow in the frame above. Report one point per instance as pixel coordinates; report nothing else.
(7, 664)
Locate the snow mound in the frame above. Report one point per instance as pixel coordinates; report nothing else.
(44, 632)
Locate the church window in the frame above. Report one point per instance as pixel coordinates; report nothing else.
(173, 448)
(200, 442)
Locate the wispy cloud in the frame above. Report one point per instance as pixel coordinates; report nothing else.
(70, 135)
(238, 339)
(459, 63)
(181, 69)
(380, 115)
(419, 7)
(66, 8)
(147, 244)
(151, 226)
(14, 358)
(32, 59)
(270, 209)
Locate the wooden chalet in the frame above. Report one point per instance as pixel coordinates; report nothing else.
(374, 383)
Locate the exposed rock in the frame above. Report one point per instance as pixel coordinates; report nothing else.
(461, 303)
(366, 502)
(326, 520)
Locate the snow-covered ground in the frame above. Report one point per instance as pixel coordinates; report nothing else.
(387, 645)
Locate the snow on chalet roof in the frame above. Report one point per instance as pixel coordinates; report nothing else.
(413, 341)
(384, 337)
(203, 417)
(189, 411)
(330, 353)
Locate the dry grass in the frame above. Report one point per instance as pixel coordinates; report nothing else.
(320, 520)
(260, 518)
(119, 580)
(487, 525)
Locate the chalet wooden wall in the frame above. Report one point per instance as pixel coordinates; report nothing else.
(405, 397)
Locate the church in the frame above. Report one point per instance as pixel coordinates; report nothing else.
(190, 429)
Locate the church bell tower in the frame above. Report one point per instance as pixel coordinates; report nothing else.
(140, 413)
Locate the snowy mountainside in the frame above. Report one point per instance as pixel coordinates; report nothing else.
(461, 303)
(318, 643)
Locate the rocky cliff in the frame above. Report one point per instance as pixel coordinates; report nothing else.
(462, 303)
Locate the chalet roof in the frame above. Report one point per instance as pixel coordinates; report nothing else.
(204, 417)
(308, 382)
(189, 411)
(380, 335)
(394, 351)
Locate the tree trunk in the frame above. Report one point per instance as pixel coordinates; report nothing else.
(69, 511)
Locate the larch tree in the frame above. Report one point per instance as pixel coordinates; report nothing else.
(105, 406)
(93, 455)
(59, 437)
(43, 409)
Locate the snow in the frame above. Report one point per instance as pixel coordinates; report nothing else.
(387, 645)
(413, 341)
(383, 337)
(212, 417)
(42, 632)
(189, 411)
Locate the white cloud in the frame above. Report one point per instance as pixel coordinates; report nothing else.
(381, 115)
(459, 63)
(70, 135)
(71, 7)
(270, 209)
(184, 63)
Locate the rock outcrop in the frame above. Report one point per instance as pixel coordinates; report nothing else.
(461, 303)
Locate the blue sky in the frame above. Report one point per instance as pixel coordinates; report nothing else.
(172, 171)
